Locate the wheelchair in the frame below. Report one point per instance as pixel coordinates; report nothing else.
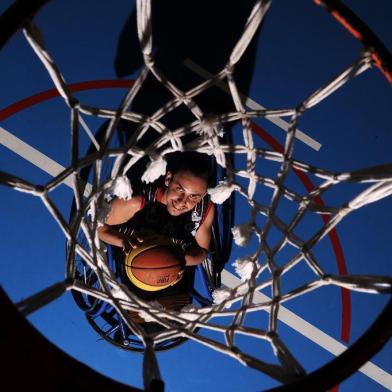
(197, 284)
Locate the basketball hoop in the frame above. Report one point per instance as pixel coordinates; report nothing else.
(234, 304)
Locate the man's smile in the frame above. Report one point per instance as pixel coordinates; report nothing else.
(175, 206)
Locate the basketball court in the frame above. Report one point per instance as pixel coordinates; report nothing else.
(297, 51)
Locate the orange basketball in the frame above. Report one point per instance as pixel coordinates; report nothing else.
(153, 267)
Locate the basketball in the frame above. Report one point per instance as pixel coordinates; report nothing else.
(153, 267)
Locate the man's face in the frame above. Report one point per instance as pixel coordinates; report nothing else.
(184, 191)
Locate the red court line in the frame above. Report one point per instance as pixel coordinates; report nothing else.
(102, 84)
(53, 93)
(333, 235)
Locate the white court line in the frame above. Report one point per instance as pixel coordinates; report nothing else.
(291, 319)
(35, 157)
(253, 105)
(313, 333)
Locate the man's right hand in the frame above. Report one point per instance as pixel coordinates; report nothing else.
(131, 241)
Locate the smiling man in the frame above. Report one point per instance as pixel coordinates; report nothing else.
(177, 206)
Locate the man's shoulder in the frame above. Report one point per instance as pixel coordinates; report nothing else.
(134, 203)
(122, 210)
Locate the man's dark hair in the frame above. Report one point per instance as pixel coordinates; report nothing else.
(196, 163)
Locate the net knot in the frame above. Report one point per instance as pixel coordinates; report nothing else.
(40, 190)
(149, 121)
(73, 103)
(229, 68)
(244, 267)
(148, 60)
(272, 335)
(210, 126)
(184, 99)
(300, 109)
(221, 192)
(155, 169)
(220, 295)
(122, 188)
(242, 233)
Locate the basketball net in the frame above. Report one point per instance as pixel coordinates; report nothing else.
(257, 269)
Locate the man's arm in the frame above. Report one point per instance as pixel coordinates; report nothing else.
(121, 211)
(196, 254)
